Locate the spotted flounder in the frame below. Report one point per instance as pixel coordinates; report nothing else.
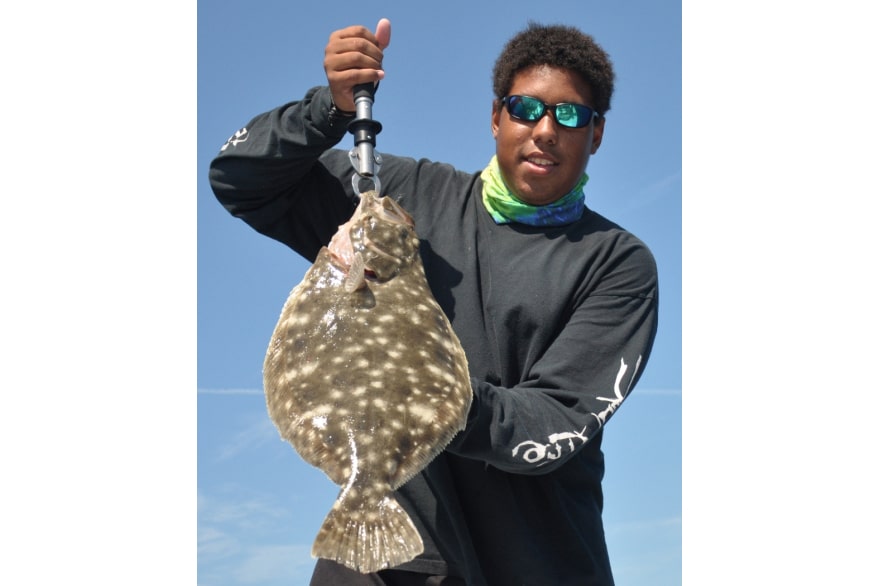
(366, 379)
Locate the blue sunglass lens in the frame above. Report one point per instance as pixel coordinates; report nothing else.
(569, 115)
(526, 108)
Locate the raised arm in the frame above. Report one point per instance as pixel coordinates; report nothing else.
(269, 174)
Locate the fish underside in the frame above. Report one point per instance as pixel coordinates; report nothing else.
(366, 379)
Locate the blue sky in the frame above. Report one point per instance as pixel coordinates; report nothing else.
(259, 504)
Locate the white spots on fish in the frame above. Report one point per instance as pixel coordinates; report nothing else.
(435, 370)
(422, 412)
(298, 320)
(355, 465)
(390, 466)
(319, 421)
(349, 350)
(342, 451)
(319, 411)
(330, 323)
(306, 369)
(450, 377)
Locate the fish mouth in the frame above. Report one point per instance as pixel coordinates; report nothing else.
(343, 257)
(386, 209)
(383, 209)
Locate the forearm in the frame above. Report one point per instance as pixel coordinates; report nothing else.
(530, 430)
(569, 394)
(270, 175)
(275, 150)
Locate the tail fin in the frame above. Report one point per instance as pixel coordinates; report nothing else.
(368, 540)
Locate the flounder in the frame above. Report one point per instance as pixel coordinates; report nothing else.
(366, 379)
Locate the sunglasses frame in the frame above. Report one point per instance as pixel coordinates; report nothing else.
(547, 107)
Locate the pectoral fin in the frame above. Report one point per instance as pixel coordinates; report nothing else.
(355, 279)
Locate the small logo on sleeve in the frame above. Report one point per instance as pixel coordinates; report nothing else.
(239, 136)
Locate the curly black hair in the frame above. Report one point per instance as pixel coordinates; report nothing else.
(559, 46)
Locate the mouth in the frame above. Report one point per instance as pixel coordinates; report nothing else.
(390, 211)
(540, 163)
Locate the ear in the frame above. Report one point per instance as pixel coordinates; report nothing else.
(597, 134)
(496, 107)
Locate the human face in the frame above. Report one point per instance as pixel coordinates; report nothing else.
(541, 161)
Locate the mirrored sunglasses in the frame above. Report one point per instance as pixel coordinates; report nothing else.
(531, 109)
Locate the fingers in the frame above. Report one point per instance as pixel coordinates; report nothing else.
(383, 33)
(354, 56)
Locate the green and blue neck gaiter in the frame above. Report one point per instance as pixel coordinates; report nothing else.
(505, 207)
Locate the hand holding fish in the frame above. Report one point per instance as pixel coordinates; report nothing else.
(354, 56)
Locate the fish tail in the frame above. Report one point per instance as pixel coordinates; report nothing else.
(368, 540)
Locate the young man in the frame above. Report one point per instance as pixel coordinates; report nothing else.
(555, 306)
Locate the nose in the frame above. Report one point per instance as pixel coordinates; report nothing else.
(546, 129)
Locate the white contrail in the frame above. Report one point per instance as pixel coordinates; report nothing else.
(230, 391)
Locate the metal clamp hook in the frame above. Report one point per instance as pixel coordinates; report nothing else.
(364, 159)
(354, 156)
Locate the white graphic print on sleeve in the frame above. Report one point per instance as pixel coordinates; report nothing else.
(239, 136)
(543, 453)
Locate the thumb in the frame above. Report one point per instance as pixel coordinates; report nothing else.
(383, 33)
